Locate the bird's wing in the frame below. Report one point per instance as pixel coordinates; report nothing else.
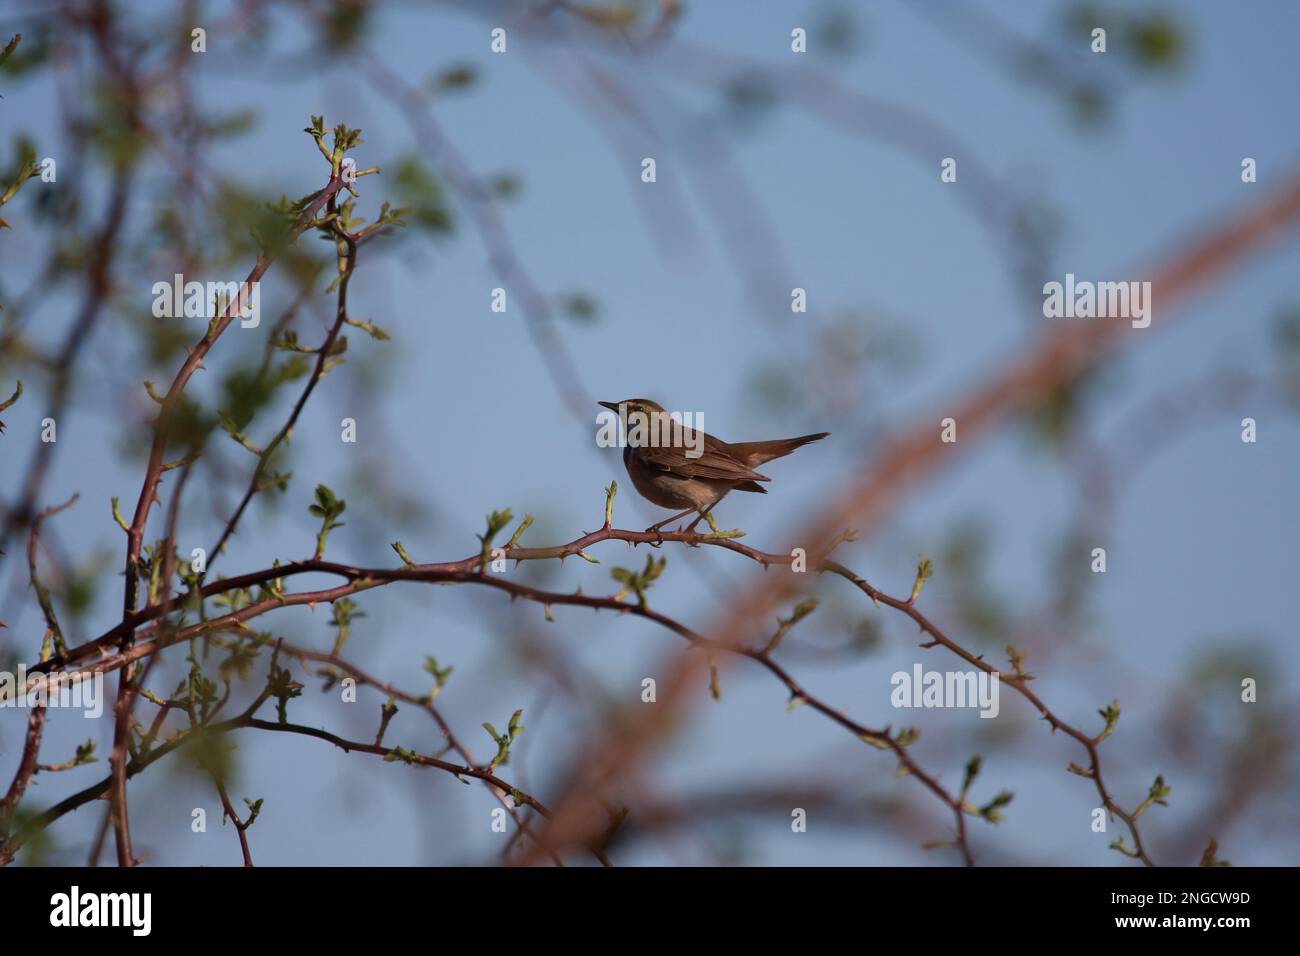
(713, 462)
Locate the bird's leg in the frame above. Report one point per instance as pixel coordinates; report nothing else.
(704, 516)
(713, 526)
(658, 525)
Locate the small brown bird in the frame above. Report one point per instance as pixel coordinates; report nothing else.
(694, 470)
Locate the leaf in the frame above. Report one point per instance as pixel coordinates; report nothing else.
(10, 47)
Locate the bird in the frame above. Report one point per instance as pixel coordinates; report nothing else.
(691, 473)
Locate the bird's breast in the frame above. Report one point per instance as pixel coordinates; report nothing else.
(669, 490)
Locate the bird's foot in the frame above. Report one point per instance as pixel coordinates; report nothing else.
(715, 533)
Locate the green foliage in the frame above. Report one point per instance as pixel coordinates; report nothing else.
(273, 589)
(505, 186)
(801, 610)
(112, 131)
(230, 126)
(288, 342)
(272, 225)
(345, 612)
(1017, 661)
(24, 54)
(992, 811)
(387, 711)
(503, 741)
(638, 582)
(85, 753)
(374, 331)
(924, 570)
(423, 194)
(1110, 714)
(1149, 42)
(579, 306)
(1148, 39)
(328, 508)
(1052, 422)
(460, 76)
(9, 48)
(496, 521)
(400, 754)
(908, 736)
(440, 676)
(80, 588)
(1211, 855)
(281, 685)
(344, 24)
(241, 654)
(610, 492)
(233, 599)
(401, 553)
(254, 808)
(966, 556)
(1119, 844)
(18, 393)
(519, 531)
(1156, 40)
(26, 167)
(1155, 796)
(200, 692)
(230, 428)
(246, 391)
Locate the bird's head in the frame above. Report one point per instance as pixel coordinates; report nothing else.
(629, 405)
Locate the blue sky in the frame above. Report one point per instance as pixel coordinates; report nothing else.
(458, 413)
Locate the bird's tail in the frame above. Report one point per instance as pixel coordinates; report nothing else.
(754, 453)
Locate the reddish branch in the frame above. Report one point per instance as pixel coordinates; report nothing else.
(228, 812)
(246, 720)
(158, 449)
(148, 492)
(28, 764)
(153, 639)
(304, 655)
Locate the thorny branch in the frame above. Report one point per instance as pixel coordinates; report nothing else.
(96, 656)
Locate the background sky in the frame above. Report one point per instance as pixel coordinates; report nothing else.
(913, 300)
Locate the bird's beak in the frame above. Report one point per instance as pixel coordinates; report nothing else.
(612, 406)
